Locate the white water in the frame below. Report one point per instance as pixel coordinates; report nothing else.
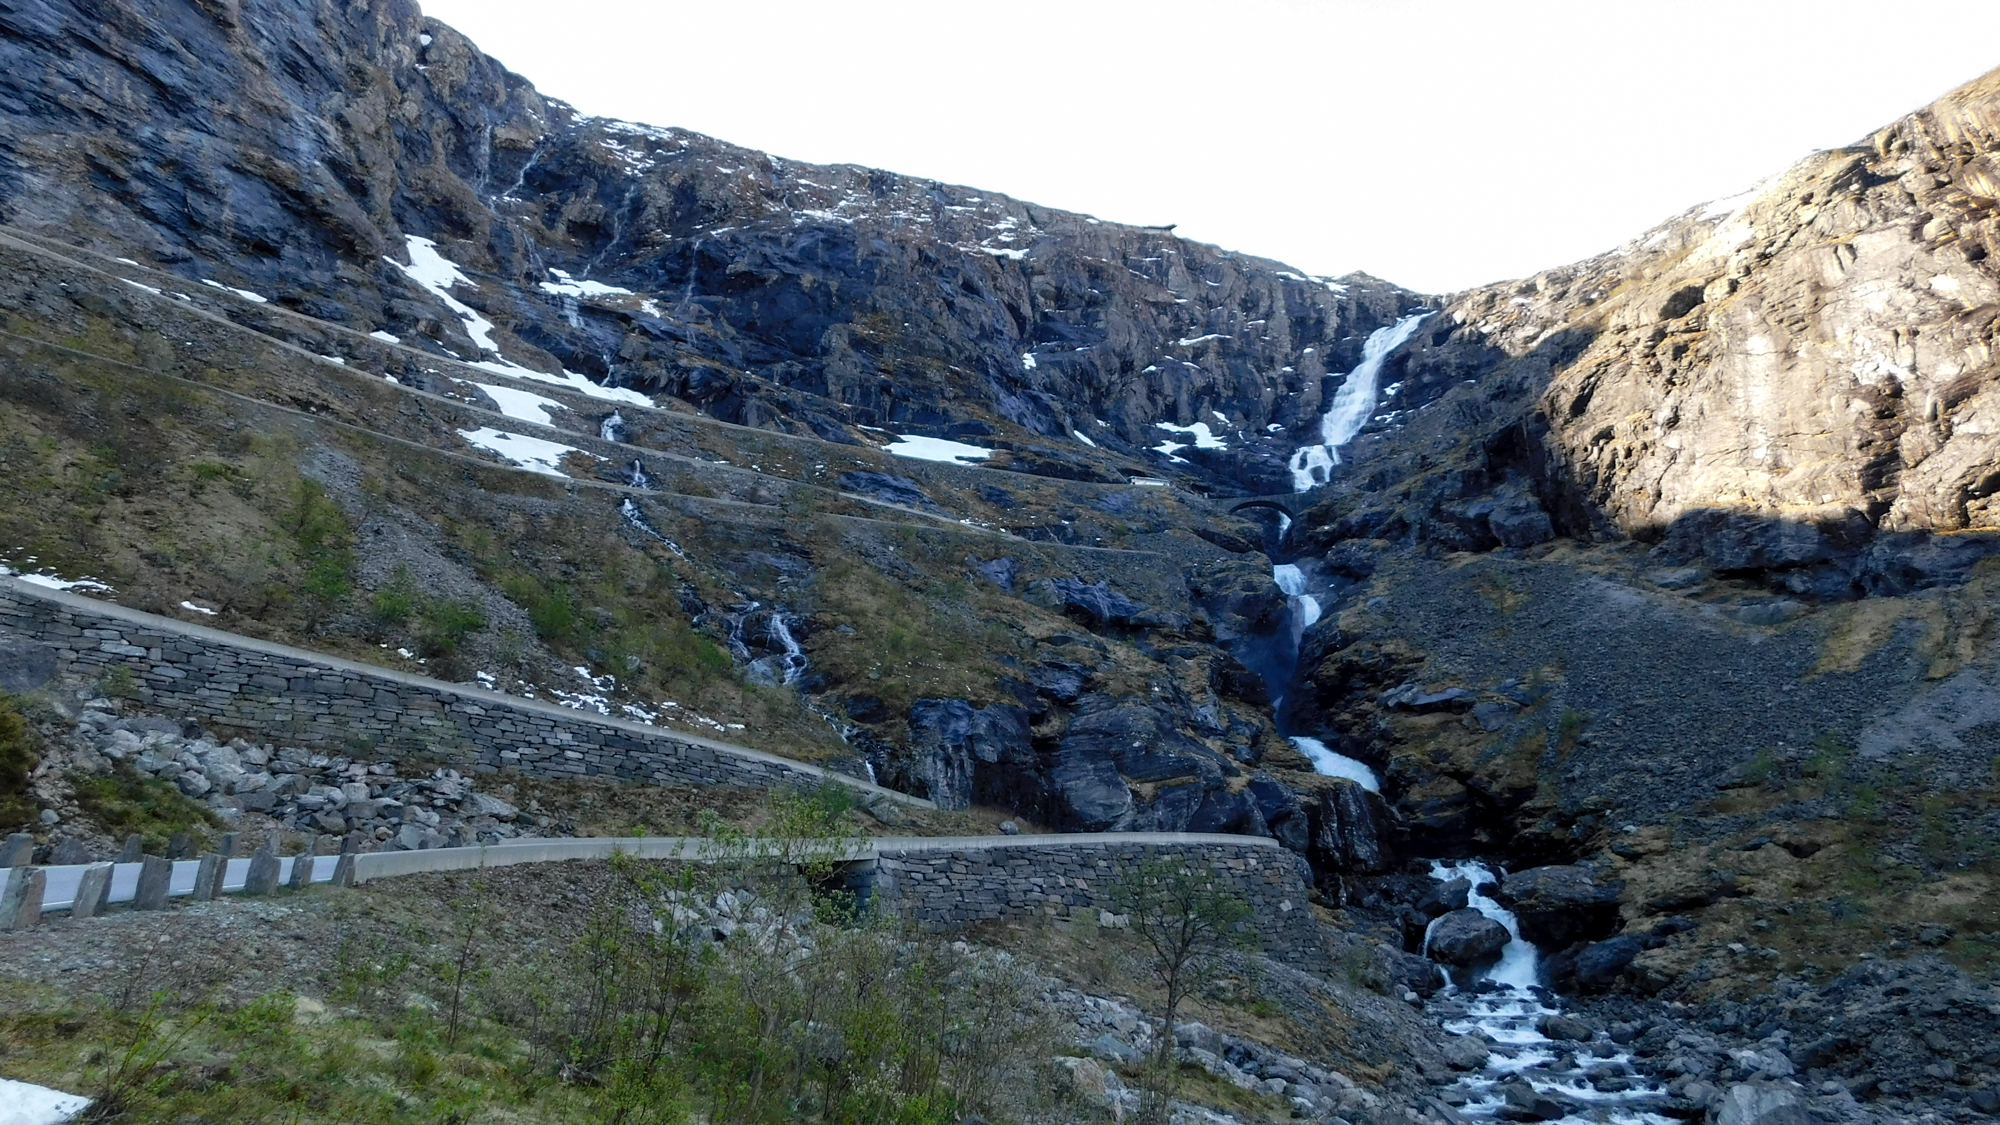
(795, 657)
(612, 428)
(636, 519)
(1292, 581)
(1352, 404)
(1332, 763)
(1506, 1011)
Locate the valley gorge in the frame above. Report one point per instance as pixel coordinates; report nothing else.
(1610, 651)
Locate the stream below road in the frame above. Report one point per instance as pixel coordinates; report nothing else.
(1529, 1074)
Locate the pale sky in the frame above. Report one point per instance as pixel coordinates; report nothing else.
(1437, 143)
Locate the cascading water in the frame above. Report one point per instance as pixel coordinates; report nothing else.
(1305, 611)
(794, 660)
(636, 476)
(612, 428)
(1505, 1003)
(1352, 405)
(636, 520)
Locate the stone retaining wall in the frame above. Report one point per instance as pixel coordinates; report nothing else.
(274, 693)
(1068, 879)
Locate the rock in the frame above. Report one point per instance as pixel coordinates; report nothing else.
(1597, 966)
(68, 852)
(1349, 828)
(1567, 1029)
(1465, 1052)
(1761, 1104)
(1442, 898)
(1522, 1103)
(481, 804)
(1559, 905)
(1095, 604)
(959, 754)
(1986, 1100)
(888, 488)
(1110, 1048)
(26, 666)
(1520, 522)
(1466, 937)
(1009, 828)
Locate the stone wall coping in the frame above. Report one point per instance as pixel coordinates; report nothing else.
(153, 622)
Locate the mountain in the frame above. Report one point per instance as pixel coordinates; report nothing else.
(1671, 565)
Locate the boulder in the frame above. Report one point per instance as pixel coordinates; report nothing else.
(1466, 937)
(1748, 1103)
(959, 754)
(887, 487)
(1522, 1103)
(1095, 604)
(1466, 1052)
(1442, 898)
(1560, 905)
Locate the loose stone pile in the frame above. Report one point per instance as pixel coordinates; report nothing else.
(296, 790)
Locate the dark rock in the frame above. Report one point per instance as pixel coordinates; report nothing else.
(1086, 794)
(866, 709)
(1001, 572)
(1567, 1029)
(1560, 905)
(889, 488)
(1522, 1103)
(1350, 830)
(1411, 972)
(1442, 898)
(1986, 1100)
(1095, 604)
(1520, 522)
(1465, 938)
(1598, 965)
(1465, 1052)
(958, 754)
(26, 666)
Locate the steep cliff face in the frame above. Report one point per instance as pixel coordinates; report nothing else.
(1640, 556)
(761, 291)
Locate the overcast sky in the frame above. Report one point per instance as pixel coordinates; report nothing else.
(1437, 143)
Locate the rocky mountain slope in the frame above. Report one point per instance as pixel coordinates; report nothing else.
(1668, 567)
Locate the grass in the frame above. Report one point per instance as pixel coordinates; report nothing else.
(126, 802)
(18, 757)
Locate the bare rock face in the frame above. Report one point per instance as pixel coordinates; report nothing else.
(1767, 382)
(758, 290)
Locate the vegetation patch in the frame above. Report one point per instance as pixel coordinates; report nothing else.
(126, 802)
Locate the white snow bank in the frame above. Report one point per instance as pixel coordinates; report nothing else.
(1204, 438)
(201, 609)
(385, 337)
(936, 449)
(22, 1103)
(253, 298)
(566, 286)
(579, 383)
(524, 405)
(437, 274)
(533, 454)
(86, 585)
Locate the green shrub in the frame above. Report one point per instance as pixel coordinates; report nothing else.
(18, 742)
(446, 624)
(126, 801)
(396, 601)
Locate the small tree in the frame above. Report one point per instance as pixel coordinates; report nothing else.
(1185, 919)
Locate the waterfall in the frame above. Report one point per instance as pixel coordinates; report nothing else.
(636, 476)
(794, 660)
(636, 519)
(612, 428)
(1332, 763)
(1352, 404)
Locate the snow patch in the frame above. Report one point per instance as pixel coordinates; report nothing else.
(1204, 438)
(935, 449)
(23, 1103)
(532, 454)
(566, 286)
(201, 609)
(526, 406)
(385, 337)
(1027, 361)
(253, 298)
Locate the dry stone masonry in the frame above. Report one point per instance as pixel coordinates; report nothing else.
(233, 682)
